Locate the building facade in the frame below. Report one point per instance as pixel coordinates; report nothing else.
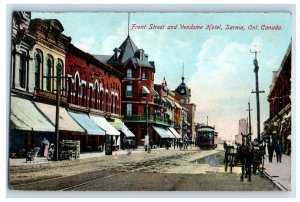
(38, 51)
(185, 101)
(141, 104)
(278, 126)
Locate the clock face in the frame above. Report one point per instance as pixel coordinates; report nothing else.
(182, 100)
(182, 90)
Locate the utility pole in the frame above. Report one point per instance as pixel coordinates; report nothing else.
(249, 119)
(256, 68)
(58, 88)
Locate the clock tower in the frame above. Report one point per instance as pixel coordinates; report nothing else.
(184, 92)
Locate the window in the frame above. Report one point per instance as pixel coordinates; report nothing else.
(76, 89)
(96, 96)
(101, 100)
(129, 109)
(129, 90)
(69, 83)
(144, 75)
(48, 73)
(22, 69)
(106, 99)
(60, 66)
(82, 94)
(112, 104)
(37, 70)
(91, 95)
(116, 101)
(129, 73)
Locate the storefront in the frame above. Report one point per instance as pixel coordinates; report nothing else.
(28, 126)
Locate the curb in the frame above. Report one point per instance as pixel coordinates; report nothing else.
(278, 184)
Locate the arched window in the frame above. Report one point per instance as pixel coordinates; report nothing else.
(101, 100)
(69, 83)
(22, 70)
(112, 104)
(91, 95)
(37, 69)
(76, 88)
(60, 65)
(116, 104)
(49, 67)
(96, 95)
(106, 104)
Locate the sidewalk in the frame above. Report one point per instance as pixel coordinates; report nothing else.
(42, 162)
(279, 173)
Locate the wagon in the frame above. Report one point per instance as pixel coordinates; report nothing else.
(230, 157)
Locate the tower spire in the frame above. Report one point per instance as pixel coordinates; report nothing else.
(128, 22)
(182, 78)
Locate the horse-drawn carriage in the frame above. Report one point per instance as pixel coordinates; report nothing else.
(248, 155)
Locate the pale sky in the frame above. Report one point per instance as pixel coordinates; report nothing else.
(218, 65)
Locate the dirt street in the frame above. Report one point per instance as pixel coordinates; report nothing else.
(160, 170)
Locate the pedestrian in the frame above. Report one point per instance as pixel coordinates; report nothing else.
(278, 150)
(270, 150)
(45, 145)
(146, 143)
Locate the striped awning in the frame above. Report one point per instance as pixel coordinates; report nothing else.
(88, 124)
(119, 125)
(174, 132)
(161, 132)
(66, 122)
(104, 124)
(25, 116)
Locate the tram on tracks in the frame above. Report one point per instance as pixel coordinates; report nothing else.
(206, 137)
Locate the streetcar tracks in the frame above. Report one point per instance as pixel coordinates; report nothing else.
(128, 167)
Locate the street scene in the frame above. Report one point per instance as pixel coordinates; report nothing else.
(150, 102)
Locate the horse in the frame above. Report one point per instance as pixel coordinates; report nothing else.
(245, 154)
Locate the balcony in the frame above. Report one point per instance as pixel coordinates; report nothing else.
(151, 119)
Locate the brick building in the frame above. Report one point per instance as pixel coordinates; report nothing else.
(94, 89)
(185, 101)
(138, 94)
(278, 126)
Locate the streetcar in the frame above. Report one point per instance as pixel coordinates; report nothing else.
(206, 137)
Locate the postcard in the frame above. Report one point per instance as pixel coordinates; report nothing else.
(150, 101)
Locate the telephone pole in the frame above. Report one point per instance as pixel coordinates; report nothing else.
(249, 118)
(256, 68)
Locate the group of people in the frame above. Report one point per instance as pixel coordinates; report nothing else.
(274, 145)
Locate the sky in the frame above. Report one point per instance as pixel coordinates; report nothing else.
(218, 64)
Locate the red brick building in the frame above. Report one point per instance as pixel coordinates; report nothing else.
(94, 88)
(279, 98)
(138, 94)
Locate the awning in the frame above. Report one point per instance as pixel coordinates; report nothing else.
(25, 116)
(66, 122)
(174, 132)
(177, 106)
(119, 125)
(186, 123)
(145, 90)
(170, 134)
(287, 116)
(161, 132)
(155, 93)
(105, 125)
(88, 124)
